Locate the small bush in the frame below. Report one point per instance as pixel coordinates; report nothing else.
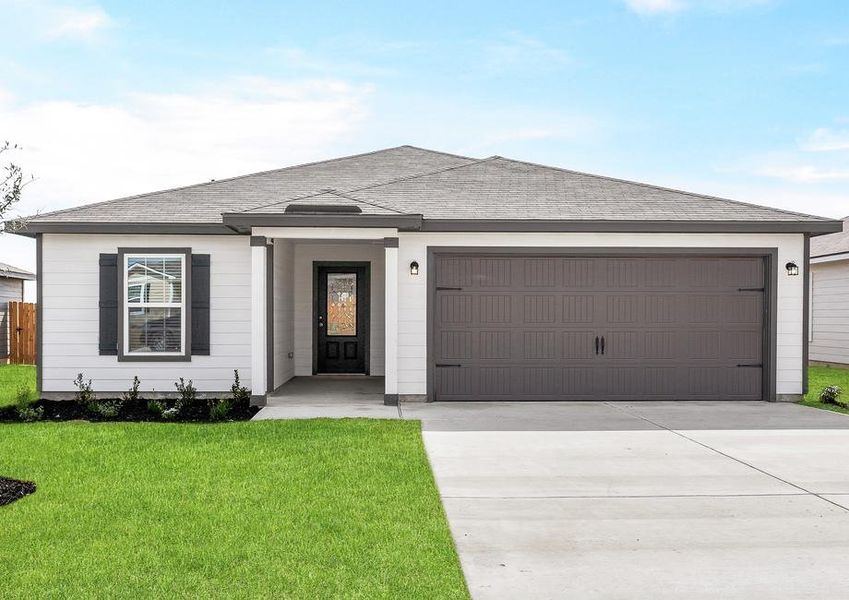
(132, 395)
(188, 397)
(240, 392)
(156, 408)
(831, 395)
(84, 394)
(219, 409)
(107, 409)
(170, 413)
(24, 408)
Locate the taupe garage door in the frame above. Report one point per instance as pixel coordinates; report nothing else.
(606, 328)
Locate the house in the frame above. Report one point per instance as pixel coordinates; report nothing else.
(453, 278)
(11, 290)
(829, 290)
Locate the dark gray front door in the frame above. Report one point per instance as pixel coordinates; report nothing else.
(341, 317)
(598, 328)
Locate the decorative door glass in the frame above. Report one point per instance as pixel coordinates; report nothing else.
(342, 304)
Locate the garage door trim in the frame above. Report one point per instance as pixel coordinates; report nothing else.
(770, 256)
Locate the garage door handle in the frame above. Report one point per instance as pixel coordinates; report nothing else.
(602, 345)
(751, 289)
(753, 365)
(442, 289)
(447, 365)
(596, 344)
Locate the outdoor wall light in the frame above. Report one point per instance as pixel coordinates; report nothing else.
(792, 268)
(414, 268)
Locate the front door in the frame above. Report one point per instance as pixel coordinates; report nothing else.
(341, 317)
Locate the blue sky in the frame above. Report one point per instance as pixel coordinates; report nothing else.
(747, 99)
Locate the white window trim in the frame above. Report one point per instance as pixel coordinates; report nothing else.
(126, 306)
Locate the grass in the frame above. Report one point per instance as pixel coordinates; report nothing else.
(12, 378)
(285, 509)
(820, 377)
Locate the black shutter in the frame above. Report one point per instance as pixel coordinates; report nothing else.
(108, 344)
(200, 304)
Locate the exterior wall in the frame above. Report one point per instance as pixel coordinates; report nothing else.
(305, 254)
(829, 333)
(412, 290)
(11, 290)
(284, 312)
(70, 283)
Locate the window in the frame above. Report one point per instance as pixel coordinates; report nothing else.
(154, 304)
(341, 304)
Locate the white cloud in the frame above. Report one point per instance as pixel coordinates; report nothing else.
(78, 23)
(805, 173)
(654, 6)
(521, 52)
(825, 139)
(657, 7)
(48, 20)
(84, 153)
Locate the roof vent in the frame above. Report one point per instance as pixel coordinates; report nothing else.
(311, 209)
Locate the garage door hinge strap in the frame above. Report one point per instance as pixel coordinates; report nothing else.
(439, 289)
(758, 365)
(447, 365)
(751, 289)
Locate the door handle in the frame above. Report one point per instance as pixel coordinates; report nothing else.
(596, 344)
(602, 345)
(320, 321)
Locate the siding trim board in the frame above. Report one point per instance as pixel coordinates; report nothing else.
(806, 310)
(769, 320)
(39, 314)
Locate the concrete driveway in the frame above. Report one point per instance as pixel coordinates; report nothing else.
(644, 500)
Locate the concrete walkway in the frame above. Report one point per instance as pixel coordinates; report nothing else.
(628, 500)
(655, 500)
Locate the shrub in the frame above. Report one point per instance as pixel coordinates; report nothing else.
(132, 395)
(108, 409)
(24, 408)
(219, 409)
(84, 394)
(240, 392)
(831, 395)
(188, 397)
(156, 408)
(170, 413)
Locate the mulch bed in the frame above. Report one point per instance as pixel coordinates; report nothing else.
(12, 489)
(69, 410)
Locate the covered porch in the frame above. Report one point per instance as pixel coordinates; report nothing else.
(324, 316)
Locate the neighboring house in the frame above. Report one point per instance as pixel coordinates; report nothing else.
(11, 290)
(454, 278)
(829, 326)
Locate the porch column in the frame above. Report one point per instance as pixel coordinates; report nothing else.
(259, 385)
(390, 247)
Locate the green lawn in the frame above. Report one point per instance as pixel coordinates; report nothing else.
(820, 377)
(12, 378)
(282, 509)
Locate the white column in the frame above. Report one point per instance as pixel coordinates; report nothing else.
(258, 319)
(391, 319)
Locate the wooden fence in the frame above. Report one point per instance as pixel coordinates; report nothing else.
(22, 317)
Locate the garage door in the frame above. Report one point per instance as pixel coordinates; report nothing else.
(606, 328)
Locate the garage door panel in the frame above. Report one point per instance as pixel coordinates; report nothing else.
(524, 328)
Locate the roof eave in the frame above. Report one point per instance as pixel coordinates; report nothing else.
(610, 226)
(33, 228)
(243, 222)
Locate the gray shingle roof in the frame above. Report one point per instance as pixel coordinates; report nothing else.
(15, 272)
(833, 243)
(409, 180)
(205, 202)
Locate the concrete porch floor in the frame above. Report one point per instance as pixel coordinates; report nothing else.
(328, 396)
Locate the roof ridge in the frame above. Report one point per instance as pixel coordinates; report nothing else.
(372, 185)
(237, 177)
(663, 188)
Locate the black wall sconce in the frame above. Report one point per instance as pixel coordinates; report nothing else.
(792, 268)
(414, 268)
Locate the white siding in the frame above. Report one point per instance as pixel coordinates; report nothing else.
(305, 254)
(830, 312)
(70, 289)
(284, 312)
(412, 307)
